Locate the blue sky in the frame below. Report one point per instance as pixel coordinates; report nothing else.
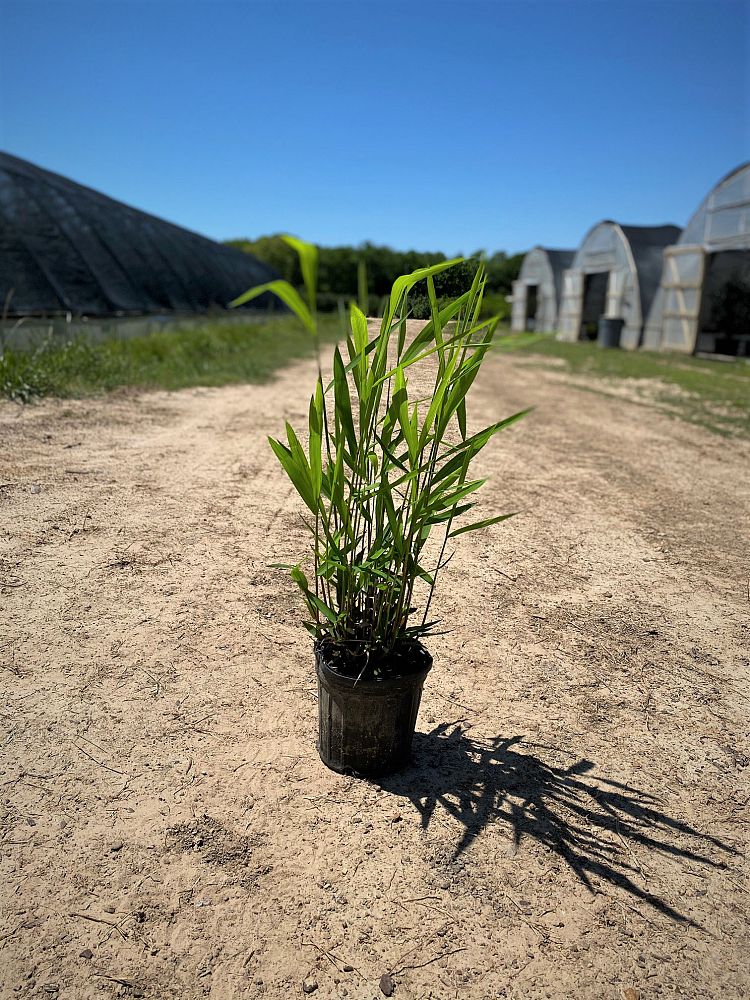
(451, 126)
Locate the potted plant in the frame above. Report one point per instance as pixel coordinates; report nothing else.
(385, 479)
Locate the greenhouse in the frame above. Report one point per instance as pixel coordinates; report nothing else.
(615, 274)
(703, 302)
(65, 248)
(536, 293)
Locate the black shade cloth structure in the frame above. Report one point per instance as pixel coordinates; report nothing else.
(703, 301)
(536, 294)
(615, 273)
(65, 248)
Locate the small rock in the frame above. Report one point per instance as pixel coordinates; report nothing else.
(36, 488)
(309, 986)
(607, 593)
(51, 988)
(86, 953)
(348, 968)
(387, 986)
(109, 909)
(116, 846)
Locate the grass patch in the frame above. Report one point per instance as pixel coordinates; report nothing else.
(712, 394)
(214, 354)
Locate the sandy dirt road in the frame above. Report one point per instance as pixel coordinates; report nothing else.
(574, 824)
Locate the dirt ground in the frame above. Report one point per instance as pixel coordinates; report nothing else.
(574, 822)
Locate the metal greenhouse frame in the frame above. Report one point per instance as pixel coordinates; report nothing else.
(536, 293)
(615, 273)
(694, 309)
(65, 248)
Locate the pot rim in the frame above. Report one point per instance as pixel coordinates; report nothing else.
(371, 685)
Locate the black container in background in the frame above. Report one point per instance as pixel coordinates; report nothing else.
(366, 726)
(609, 331)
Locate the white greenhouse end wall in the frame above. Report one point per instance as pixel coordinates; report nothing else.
(536, 293)
(615, 274)
(721, 225)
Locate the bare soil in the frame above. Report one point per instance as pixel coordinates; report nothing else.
(574, 824)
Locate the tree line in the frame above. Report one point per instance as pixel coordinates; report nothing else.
(341, 269)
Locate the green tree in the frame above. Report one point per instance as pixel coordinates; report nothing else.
(338, 268)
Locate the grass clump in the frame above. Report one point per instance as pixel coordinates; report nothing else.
(215, 354)
(388, 466)
(712, 394)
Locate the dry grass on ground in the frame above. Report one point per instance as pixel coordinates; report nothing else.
(574, 824)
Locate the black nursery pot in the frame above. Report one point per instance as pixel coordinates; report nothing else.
(366, 727)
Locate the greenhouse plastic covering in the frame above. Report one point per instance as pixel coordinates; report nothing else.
(67, 248)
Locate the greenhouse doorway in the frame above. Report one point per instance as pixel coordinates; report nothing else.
(724, 324)
(532, 304)
(594, 303)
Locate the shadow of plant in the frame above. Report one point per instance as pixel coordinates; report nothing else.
(591, 822)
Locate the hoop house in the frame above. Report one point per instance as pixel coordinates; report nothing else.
(65, 248)
(703, 302)
(615, 273)
(536, 293)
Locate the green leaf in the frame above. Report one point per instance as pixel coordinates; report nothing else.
(298, 472)
(344, 403)
(461, 417)
(288, 295)
(448, 499)
(481, 524)
(401, 405)
(459, 337)
(447, 515)
(308, 261)
(316, 440)
(299, 578)
(322, 607)
(359, 329)
(393, 520)
(402, 285)
(427, 334)
(358, 358)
